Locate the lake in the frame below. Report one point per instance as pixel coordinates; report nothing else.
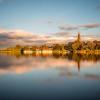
(49, 77)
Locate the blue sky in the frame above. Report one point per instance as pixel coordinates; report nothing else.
(47, 16)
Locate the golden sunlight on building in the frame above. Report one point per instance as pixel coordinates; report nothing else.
(28, 51)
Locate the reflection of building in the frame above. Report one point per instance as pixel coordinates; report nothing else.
(78, 65)
(27, 51)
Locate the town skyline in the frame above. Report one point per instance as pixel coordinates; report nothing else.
(11, 39)
(78, 46)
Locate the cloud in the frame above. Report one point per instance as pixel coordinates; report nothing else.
(68, 28)
(62, 34)
(14, 37)
(89, 26)
(79, 27)
(49, 22)
(98, 7)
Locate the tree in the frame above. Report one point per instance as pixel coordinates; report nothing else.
(76, 45)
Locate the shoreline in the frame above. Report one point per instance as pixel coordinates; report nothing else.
(97, 52)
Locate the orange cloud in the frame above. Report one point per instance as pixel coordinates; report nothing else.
(13, 37)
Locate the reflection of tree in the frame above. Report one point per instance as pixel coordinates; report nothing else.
(70, 56)
(78, 65)
(78, 58)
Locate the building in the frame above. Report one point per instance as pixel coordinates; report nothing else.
(78, 37)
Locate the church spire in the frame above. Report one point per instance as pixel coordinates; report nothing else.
(78, 37)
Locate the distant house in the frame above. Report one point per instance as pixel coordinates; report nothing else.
(27, 51)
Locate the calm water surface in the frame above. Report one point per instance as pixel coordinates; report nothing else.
(49, 77)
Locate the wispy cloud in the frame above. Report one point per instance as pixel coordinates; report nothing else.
(68, 28)
(90, 26)
(80, 27)
(13, 37)
(98, 7)
(62, 34)
(49, 22)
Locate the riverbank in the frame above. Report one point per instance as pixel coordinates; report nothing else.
(97, 52)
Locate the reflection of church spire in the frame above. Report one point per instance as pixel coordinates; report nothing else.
(78, 65)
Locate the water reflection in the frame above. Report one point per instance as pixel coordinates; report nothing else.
(35, 76)
(71, 65)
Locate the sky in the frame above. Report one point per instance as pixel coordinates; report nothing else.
(49, 17)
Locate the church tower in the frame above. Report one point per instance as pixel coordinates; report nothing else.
(78, 37)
